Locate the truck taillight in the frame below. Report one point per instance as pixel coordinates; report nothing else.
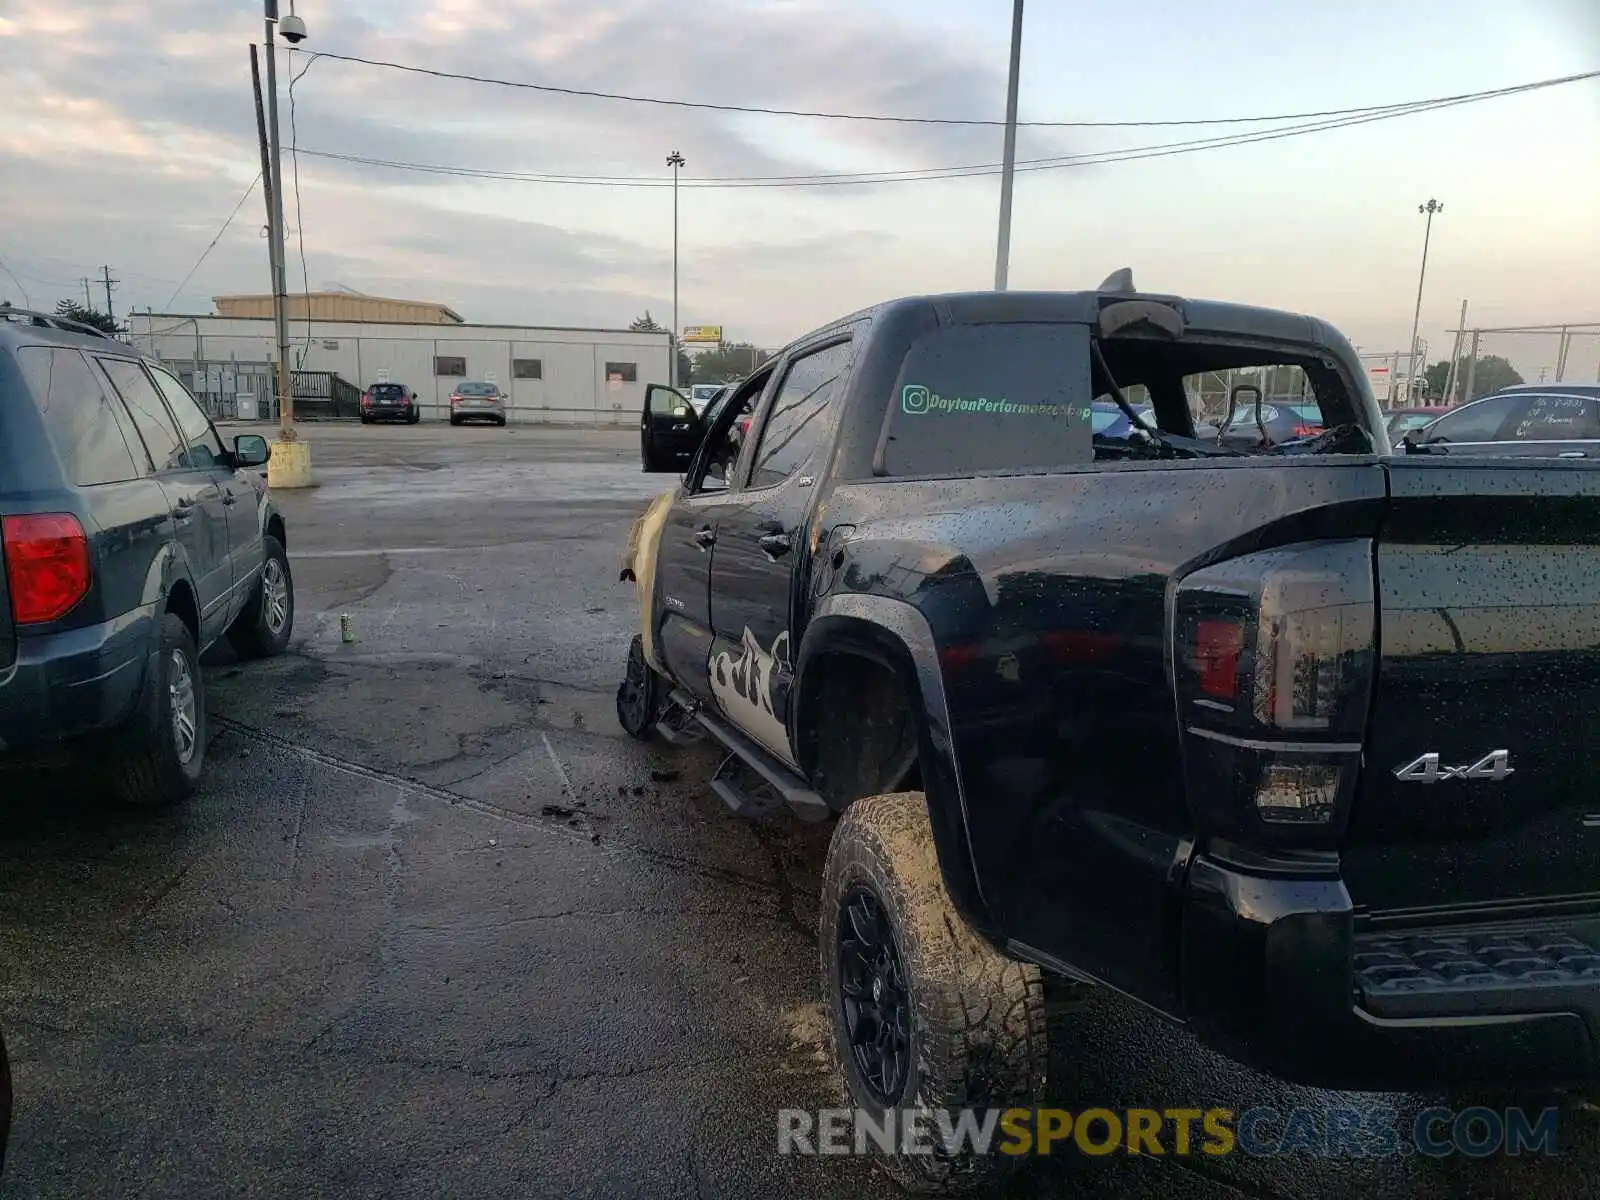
(47, 565)
(1274, 656)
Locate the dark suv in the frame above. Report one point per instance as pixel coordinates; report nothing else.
(389, 402)
(132, 540)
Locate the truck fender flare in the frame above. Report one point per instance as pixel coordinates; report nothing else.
(896, 635)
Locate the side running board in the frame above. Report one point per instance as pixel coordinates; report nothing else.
(782, 779)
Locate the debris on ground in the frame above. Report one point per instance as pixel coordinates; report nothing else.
(664, 775)
(558, 811)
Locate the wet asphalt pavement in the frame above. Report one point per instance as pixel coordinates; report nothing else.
(436, 927)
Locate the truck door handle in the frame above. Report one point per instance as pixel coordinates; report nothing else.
(775, 544)
(706, 537)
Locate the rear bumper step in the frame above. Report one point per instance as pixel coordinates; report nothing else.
(1468, 973)
(1277, 975)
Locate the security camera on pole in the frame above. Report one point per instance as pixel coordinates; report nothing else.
(290, 464)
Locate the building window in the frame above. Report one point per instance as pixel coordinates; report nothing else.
(622, 372)
(450, 365)
(527, 368)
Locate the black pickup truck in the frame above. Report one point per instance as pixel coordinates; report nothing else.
(1290, 742)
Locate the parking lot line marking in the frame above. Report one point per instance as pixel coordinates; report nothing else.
(560, 770)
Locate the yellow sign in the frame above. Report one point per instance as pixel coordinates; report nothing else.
(702, 333)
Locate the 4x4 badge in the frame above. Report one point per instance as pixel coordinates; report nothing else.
(1427, 769)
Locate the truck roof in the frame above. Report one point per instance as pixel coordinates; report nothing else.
(1207, 316)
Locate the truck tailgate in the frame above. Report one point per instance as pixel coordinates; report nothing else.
(1488, 584)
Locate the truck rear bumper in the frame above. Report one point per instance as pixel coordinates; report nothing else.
(65, 685)
(1276, 975)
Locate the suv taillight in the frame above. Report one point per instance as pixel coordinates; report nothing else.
(47, 565)
(1274, 656)
(366, 399)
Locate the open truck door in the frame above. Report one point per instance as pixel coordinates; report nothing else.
(669, 430)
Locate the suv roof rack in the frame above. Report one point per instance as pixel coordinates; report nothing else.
(53, 321)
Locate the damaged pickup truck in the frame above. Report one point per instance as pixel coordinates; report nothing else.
(1292, 742)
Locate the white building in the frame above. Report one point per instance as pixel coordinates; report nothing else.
(555, 375)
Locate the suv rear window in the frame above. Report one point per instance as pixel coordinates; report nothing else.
(387, 389)
(973, 398)
(79, 416)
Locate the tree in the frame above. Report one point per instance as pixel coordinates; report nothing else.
(73, 311)
(646, 324)
(1437, 376)
(730, 360)
(1492, 373)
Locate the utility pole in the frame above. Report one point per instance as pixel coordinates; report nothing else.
(1472, 369)
(1455, 357)
(88, 302)
(110, 283)
(676, 161)
(290, 464)
(1002, 253)
(1431, 207)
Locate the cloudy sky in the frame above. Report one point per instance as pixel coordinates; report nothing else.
(129, 135)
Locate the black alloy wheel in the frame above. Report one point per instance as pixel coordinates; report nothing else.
(637, 694)
(874, 995)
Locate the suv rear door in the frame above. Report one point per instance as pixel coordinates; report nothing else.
(194, 493)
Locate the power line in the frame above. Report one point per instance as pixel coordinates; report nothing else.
(25, 297)
(594, 94)
(213, 244)
(929, 174)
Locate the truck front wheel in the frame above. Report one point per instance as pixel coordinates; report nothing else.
(925, 1014)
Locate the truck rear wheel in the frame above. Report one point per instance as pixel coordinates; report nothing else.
(924, 1013)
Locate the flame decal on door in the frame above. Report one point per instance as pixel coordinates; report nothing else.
(742, 686)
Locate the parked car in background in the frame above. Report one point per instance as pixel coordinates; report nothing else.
(1282, 422)
(131, 540)
(1400, 421)
(702, 394)
(477, 402)
(389, 402)
(1529, 421)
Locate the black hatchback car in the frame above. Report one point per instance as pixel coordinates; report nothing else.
(389, 402)
(131, 540)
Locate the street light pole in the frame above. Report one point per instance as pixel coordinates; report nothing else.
(290, 464)
(1431, 207)
(1002, 254)
(676, 161)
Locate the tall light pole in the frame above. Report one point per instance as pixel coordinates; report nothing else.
(676, 161)
(1002, 253)
(1431, 207)
(290, 464)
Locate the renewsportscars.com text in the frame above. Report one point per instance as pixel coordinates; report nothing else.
(1375, 1131)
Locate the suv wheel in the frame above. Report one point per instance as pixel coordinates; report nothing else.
(263, 628)
(165, 744)
(638, 695)
(925, 1014)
